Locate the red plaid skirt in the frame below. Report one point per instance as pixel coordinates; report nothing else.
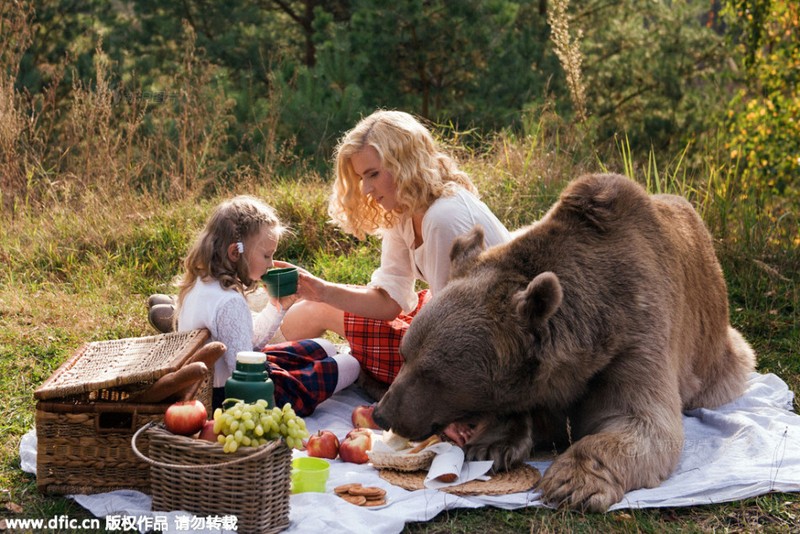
(376, 344)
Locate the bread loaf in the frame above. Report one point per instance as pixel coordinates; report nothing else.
(173, 384)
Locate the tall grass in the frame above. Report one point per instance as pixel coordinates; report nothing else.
(103, 138)
(15, 37)
(568, 51)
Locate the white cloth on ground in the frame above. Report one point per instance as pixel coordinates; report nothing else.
(745, 448)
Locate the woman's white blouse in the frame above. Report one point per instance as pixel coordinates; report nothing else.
(447, 218)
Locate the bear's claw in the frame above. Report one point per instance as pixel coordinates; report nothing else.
(580, 484)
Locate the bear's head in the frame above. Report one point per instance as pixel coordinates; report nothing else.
(471, 350)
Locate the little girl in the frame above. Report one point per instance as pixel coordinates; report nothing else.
(227, 260)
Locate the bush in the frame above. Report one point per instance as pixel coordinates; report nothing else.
(763, 117)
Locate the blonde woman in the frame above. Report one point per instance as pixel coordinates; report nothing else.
(393, 180)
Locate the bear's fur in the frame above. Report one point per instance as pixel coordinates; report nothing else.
(592, 329)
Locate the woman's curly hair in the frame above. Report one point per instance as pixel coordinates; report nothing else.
(422, 172)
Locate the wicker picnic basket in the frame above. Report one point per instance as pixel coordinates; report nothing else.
(196, 476)
(85, 418)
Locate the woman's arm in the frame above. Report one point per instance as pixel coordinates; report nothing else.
(324, 304)
(370, 302)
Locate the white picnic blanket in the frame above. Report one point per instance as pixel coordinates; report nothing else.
(748, 447)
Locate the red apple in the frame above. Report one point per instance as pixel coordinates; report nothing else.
(323, 444)
(355, 445)
(362, 417)
(207, 432)
(185, 417)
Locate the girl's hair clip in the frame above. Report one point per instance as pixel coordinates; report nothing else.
(240, 247)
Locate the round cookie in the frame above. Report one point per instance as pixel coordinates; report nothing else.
(345, 488)
(358, 500)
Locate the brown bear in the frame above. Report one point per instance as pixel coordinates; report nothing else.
(591, 330)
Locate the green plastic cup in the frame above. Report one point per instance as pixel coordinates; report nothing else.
(281, 282)
(309, 474)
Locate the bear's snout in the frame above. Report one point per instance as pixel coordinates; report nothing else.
(379, 418)
(393, 412)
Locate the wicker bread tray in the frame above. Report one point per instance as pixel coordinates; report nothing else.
(194, 475)
(110, 370)
(401, 462)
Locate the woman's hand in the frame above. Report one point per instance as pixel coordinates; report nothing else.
(310, 287)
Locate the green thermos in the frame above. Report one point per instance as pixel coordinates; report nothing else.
(250, 380)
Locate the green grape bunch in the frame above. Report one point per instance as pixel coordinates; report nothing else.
(251, 425)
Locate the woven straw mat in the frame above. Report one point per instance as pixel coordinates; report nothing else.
(517, 480)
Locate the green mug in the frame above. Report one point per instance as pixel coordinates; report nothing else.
(309, 474)
(281, 281)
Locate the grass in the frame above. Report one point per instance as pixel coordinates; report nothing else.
(772, 513)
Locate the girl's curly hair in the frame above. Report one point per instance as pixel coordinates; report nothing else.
(234, 220)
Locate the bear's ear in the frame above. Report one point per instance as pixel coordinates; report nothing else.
(540, 300)
(594, 198)
(465, 251)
